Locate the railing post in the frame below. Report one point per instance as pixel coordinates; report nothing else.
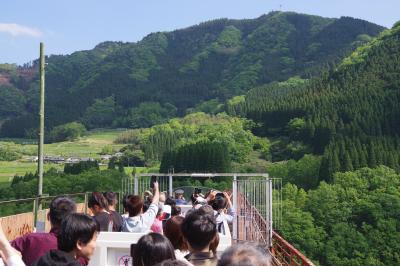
(136, 185)
(170, 185)
(235, 206)
(270, 211)
(35, 212)
(86, 203)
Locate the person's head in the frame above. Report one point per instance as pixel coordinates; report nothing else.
(60, 207)
(245, 255)
(179, 193)
(151, 249)
(193, 199)
(171, 262)
(199, 229)
(146, 206)
(173, 231)
(219, 203)
(207, 209)
(148, 196)
(175, 210)
(125, 200)
(134, 205)
(97, 202)
(169, 201)
(111, 198)
(78, 234)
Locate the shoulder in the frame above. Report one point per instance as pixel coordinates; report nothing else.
(153, 206)
(31, 237)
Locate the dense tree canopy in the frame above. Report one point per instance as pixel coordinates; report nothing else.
(193, 132)
(350, 115)
(353, 221)
(211, 61)
(70, 132)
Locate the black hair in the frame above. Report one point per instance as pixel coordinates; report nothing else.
(219, 203)
(146, 206)
(170, 201)
(176, 210)
(60, 207)
(171, 262)
(111, 197)
(245, 255)
(125, 201)
(193, 199)
(97, 198)
(134, 205)
(207, 209)
(151, 249)
(199, 229)
(75, 227)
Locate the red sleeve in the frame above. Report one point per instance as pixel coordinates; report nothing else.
(83, 261)
(19, 244)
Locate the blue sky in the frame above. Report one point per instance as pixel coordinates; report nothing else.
(70, 25)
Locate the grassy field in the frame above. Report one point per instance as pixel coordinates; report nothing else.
(9, 169)
(88, 146)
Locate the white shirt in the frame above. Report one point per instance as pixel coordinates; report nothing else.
(13, 260)
(181, 256)
(141, 223)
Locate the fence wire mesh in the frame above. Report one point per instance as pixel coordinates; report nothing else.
(257, 199)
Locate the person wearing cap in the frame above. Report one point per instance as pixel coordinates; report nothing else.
(179, 199)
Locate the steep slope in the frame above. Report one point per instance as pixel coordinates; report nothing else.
(351, 114)
(216, 59)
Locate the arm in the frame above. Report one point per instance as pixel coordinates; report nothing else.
(156, 196)
(149, 216)
(211, 196)
(231, 211)
(7, 252)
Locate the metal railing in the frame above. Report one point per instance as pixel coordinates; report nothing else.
(286, 254)
(256, 212)
(42, 200)
(255, 196)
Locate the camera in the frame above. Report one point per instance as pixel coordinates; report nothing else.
(220, 195)
(152, 181)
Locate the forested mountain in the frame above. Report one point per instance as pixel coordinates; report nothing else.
(144, 83)
(350, 115)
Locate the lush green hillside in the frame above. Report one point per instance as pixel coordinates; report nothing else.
(196, 142)
(140, 84)
(352, 221)
(350, 115)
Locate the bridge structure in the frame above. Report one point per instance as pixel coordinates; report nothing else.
(256, 198)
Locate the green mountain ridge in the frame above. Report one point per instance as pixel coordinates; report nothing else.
(181, 69)
(350, 115)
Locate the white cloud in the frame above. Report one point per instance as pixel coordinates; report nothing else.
(19, 30)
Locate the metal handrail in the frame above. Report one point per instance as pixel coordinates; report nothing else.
(287, 253)
(36, 202)
(42, 197)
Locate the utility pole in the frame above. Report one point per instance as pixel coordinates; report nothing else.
(41, 133)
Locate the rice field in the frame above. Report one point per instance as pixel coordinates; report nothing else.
(87, 146)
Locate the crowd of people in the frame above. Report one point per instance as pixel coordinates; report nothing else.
(170, 236)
